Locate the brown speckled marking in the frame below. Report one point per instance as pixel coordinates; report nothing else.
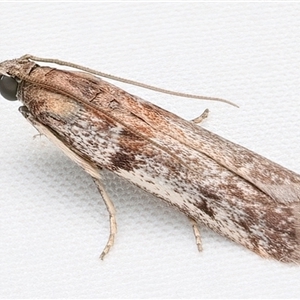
(232, 190)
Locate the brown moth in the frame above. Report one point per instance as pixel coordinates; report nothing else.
(232, 190)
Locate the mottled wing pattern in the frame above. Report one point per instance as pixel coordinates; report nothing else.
(232, 190)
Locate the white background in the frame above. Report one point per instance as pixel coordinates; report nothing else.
(53, 224)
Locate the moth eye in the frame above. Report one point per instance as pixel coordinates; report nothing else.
(8, 88)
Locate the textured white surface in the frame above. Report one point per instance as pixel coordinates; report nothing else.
(53, 223)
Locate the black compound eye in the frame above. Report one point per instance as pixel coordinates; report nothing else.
(8, 88)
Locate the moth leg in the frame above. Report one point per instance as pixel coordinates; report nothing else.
(197, 235)
(195, 226)
(37, 135)
(88, 166)
(203, 116)
(112, 217)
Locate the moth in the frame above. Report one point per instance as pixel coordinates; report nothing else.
(232, 190)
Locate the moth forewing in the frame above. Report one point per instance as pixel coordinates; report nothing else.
(231, 189)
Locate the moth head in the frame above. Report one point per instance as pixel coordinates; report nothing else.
(8, 87)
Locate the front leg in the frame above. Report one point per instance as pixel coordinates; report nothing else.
(88, 166)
